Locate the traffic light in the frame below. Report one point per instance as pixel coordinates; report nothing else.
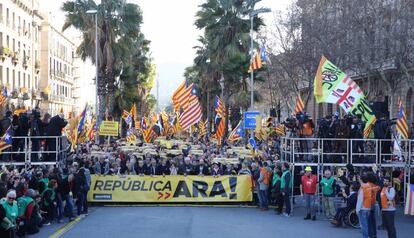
(269, 122)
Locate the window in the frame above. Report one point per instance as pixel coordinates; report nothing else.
(28, 82)
(24, 79)
(18, 80)
(7, 17)
(1, 12)
(8, 41)
(7, 76)
(14, 79)
(14, 21)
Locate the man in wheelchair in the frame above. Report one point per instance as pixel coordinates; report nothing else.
(351, 201)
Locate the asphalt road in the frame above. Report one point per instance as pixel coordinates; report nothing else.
(200, 222)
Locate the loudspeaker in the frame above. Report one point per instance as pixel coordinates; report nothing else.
(273, 112)
(380, 109)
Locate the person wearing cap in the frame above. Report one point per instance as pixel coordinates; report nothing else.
(8, 214)
(308, 192)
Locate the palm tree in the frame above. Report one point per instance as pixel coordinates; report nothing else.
(118, 28)
(226, 43)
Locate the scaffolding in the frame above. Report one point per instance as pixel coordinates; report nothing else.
(28, 151)
(323, 153)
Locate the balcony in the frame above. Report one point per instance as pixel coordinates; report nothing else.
(15, 58)
(61, 99)
(26, 62)
(4, 53)
(37, 66)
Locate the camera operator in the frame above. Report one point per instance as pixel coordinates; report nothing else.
(36, 126)
(305, 127)
(21, 129)
(56, 124)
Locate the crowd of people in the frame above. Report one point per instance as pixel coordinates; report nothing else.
(40, 195)
(334, 131)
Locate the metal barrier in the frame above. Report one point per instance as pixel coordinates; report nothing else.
(35, 150)
(321, 153)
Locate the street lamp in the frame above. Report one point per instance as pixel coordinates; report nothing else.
(95, 12)
(252, 15)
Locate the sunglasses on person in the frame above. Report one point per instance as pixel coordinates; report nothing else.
(11, 198)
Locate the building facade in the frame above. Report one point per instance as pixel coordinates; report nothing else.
(57, 70)
(20, 22)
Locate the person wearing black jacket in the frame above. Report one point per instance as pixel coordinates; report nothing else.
(79, 188)
(163, 168)
(141, 168)
(201, 169)
(153, 168)
(351, 202)
(64, 193)
(56, 124)
(36, 127)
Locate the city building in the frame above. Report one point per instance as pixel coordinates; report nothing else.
(57, 70)
(20, 22)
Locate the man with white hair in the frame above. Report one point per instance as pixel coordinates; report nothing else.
(8, 214)
(186, 168)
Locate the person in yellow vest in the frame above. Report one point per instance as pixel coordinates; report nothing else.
(388, 207)
(8, 214)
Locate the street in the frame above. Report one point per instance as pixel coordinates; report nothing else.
(200, 222)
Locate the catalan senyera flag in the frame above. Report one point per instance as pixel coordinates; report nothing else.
(3, 96)
(331, 85)
(237, 133)
(180, 95)
(402, 124)
(219, 106)
(202, 128)
(92, 130)
(257, 61)
(220, 129)
(133, 111)
(409, 202)
(280, 130)
(300, 106)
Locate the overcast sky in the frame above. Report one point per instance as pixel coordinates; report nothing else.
(169, 25)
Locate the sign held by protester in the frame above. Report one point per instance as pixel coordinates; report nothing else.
(161, 189)
(108, 128)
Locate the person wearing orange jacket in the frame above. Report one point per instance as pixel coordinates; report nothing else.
(264, 181)
(388, 207)
(363, 207)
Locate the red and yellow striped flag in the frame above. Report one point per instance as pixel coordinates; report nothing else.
(402, 124)
(300, 106)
